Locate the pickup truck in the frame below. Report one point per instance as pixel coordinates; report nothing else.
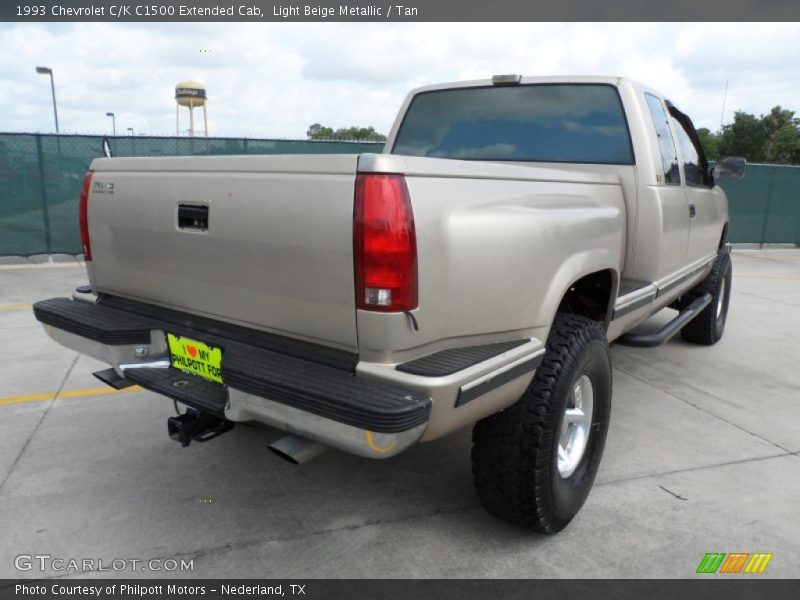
(474, 273)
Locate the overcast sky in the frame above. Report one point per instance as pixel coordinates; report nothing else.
(273, 80)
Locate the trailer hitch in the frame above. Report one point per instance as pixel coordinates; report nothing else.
(196, 425)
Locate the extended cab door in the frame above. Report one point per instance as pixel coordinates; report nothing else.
(663, 211)
(704, 217)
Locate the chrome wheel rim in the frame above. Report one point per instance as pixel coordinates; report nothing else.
(575, 426)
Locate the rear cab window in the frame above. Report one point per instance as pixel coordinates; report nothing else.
(570, 123)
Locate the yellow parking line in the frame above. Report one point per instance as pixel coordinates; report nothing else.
(15, 306)
(66, 394)
(41, 266)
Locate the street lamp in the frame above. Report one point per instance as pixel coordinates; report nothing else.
(113, 121)
(49, 71)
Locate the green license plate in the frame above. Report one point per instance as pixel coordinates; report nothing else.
(197, 358)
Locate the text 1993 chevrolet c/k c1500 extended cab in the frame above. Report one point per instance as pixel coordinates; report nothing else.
(473, 273)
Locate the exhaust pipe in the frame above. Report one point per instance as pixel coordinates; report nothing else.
(296, 450)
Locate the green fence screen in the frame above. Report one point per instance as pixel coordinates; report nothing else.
(41, 175)
(765, 205)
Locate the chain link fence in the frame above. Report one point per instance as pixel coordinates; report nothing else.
(41, 175)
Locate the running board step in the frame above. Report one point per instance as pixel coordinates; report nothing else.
(657, 338)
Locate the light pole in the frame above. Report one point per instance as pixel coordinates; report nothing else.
(133, 141)
(49, 71)
(113, 122)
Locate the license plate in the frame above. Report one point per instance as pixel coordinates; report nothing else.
(197, 358)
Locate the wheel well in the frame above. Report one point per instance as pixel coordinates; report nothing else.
(589, 296)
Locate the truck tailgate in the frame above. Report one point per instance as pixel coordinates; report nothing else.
(276, 253)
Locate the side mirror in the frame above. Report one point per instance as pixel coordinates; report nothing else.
(106, 148)
(729, 167)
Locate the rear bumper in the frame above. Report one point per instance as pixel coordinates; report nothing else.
(313, 400)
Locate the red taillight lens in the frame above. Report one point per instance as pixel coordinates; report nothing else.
(385, 244)
(83, 216)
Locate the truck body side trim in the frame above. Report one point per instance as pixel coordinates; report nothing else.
(490, 381)
(663, 289)
(687, 274)
(634, 300)
(647, 293)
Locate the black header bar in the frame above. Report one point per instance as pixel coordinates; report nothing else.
(398, 10)
(703, 587)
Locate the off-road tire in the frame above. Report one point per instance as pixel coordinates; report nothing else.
(707, 327)
(514, 453)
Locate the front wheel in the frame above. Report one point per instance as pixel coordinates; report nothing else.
(535, 462)
(707, 327)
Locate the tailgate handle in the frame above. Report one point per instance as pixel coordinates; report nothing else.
(193, 216)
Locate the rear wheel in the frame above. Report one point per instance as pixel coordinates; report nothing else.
(535, 462)
(707, 327)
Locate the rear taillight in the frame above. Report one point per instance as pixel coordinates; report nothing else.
(83, 216)
(385, 244)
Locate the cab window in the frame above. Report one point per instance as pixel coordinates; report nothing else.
(666, 144)
(565, 123)
(692, 169)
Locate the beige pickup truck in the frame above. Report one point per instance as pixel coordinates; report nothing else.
(472, 274)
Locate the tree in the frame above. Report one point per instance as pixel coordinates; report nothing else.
(773, 138)
(777, 119)
(710, 142)
(746, 136)
(784, 145)
(361, 134)
(318, 132)
(783, 129)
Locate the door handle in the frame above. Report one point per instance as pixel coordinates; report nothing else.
(193, 216)
(692, 211)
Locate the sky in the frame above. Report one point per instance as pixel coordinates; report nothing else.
(275, 79)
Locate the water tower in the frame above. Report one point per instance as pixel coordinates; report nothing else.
(190, 94)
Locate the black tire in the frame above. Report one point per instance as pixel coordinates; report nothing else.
(515, 452)
(707, 327)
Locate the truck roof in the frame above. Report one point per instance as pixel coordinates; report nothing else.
(604, 79)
